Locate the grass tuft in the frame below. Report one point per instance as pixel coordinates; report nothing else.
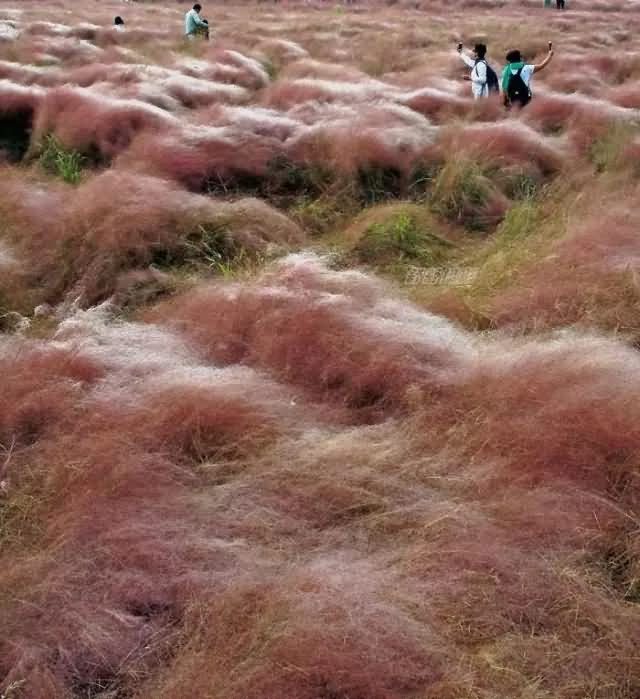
(463, 194)
(58, 161)
(402, 239)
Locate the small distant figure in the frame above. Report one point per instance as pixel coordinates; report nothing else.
(560, 4)
(118, 24)
(516, 78)
(194, 25)
(483, 78)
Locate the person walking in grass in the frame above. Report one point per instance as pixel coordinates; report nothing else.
(194, 25)
(483, 78)
(517, 75)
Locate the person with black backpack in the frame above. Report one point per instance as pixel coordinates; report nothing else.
(483, 78)
(516, 78)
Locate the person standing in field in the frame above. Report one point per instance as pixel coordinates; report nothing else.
(483, 78)
(517, 76)
(194, 25)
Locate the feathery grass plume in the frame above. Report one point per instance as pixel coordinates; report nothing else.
(437, 104)
(118, 221)
(506, 144)
(96, 126)
(626, 95)
(305, 340)
(589, 278)
(204, 160)
(224, 474)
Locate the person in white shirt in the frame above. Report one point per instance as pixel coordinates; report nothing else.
(478, 65)
(118, 24)
(193, 25)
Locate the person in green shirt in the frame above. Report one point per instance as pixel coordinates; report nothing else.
(517, 75)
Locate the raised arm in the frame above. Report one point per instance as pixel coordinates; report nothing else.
(466, 59)
(539, 66)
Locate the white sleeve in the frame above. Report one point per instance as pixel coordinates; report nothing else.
(479, 75)
(468, 61)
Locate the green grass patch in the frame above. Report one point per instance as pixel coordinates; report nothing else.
(520, 186)
(402, 239)
(499, 260)
(462, 193)
(61, 162)
(323, 215)
(208, 245)
(209, 249)
(271, 69)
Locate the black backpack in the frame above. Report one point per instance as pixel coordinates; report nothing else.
(492, 79)
(518, 92)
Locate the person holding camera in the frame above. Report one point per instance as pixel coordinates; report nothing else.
(482, 77)
(517, 76)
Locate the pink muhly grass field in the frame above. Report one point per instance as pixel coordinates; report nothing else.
(239, 458)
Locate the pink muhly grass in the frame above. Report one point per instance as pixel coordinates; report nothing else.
(553, 113)
(390, 662)
(249, 72)
(296, 484)
(113, 223)
(21, 76)
(201, 158)
(39, 388)
(437, 104)
(304, 339)
(589, 278)
(85, 76)
(506, 144)
(287, 94)
(17, 98)
(88, 123)
(626, 95)
(563, 395)
(614, 69)
(298, 343)
(119, 222)
(194, 423)
(348, 150)
(308, 68)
